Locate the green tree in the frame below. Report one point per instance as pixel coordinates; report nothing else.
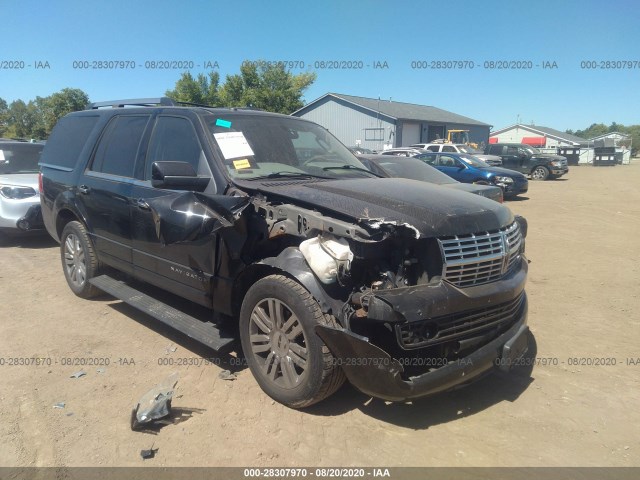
(59, 104)
(37, 118)
(594, 130)
(597, 129)
(202, 89)
(259, 84)
(21, 119)
(4, 117)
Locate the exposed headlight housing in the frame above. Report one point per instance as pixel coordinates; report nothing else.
(14, 192)
(523, 224)
(556, 163)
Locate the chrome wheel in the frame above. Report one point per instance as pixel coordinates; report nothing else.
(539, 173)
(278, 343)
(74, 260)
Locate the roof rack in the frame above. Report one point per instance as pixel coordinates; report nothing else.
(134, 102)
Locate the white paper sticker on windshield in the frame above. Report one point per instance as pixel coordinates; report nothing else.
(233, 145)
(1, 155)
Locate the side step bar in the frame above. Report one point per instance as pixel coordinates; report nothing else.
(203, 332)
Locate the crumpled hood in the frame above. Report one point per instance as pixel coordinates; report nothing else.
(431, 209)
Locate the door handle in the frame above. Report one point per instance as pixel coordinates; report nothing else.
(142, 204)
(84, 189)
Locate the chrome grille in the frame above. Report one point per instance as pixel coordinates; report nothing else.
(447, 328)
(482, 257)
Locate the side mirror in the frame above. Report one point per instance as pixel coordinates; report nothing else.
(177, 176)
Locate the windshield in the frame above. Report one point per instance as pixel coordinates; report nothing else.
(467, 149)
(414, 168)
(19, 158)
(256, 146)
(473, 161)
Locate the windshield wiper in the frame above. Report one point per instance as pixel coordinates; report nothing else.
(285, 174)
(352, 167)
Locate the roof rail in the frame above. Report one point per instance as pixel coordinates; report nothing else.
(191, 104)
(140, 102)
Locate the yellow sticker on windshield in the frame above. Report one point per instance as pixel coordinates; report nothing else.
(240, 164)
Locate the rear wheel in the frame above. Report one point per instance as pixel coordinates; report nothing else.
(287, 358)
(540, 173)
(79, 261)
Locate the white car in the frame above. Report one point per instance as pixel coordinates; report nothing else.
(19, 192)
(493, 160)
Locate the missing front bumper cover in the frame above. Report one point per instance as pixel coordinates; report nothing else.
(374, 372)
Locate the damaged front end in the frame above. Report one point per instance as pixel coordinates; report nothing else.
(418, 315)
(419, 312)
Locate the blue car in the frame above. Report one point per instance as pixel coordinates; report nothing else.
(466, 168)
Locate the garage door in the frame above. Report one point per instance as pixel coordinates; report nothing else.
(410, 134)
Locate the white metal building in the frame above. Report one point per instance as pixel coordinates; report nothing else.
(536, 136)
(552, 141)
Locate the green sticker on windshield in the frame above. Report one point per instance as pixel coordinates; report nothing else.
(223, 123)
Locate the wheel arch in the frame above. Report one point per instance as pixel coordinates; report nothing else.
(291, 263)
(538, 166)
(64, 216)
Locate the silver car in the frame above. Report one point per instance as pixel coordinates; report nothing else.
(19, 192)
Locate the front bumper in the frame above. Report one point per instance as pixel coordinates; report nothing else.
(558, 172)
(21, 214)
(516, 189)
(374, 372)
(380, 370)
(32, 220)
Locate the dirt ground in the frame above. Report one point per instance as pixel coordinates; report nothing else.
(583, 244)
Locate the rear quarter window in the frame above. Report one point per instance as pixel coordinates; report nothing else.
(67, 140)
(119, 146)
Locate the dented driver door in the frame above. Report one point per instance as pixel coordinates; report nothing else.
(174, 244)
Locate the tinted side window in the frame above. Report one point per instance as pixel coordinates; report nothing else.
(448, 148)
(434, 148)
(447, 161)
(119, 145)
(495, 150)
(67, 140)
(430, 159)
(174, 139)
(512, 151)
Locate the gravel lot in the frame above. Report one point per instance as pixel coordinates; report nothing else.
(584, 299)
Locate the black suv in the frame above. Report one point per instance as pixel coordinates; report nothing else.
(404, 287)
(529, 160)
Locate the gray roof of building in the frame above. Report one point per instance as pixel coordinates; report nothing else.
(404, 111)
(551, 132)
(597, 137)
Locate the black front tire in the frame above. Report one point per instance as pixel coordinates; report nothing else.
(540, 173)
(79, 260)
(287, 358)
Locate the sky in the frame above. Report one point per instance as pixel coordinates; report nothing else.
(47, 46)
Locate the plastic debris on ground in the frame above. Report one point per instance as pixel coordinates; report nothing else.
(59, 405)
(79, 374)
(148, 453)
(155, 404)
(227, 375)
